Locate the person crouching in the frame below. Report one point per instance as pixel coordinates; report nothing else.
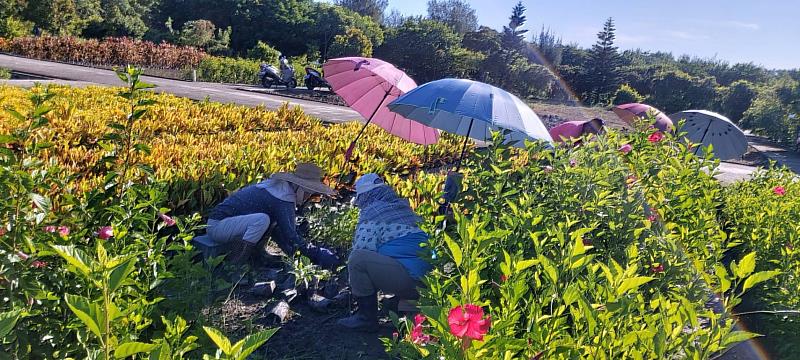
(385, 253)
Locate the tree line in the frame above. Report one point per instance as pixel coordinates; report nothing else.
(447, 42)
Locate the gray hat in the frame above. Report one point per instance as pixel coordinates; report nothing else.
(307, 176)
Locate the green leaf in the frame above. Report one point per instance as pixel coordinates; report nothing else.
(120, 273)
(5, 139)
(549, 268)
(90, 314)
(16, 114)
(252, 342)
(128, 349)
(633, 284)
(75, 257)
(738, 336)
(746, 265)
(758, 278)
(455, 250)
(220, 339)
(524, 264)
(40, 201)
(722, 275)
(163, 352)
(122, 76)
(8, 320)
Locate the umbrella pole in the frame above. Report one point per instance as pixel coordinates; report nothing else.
(464, 147)
(360, 132)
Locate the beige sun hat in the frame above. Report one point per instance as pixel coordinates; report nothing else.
(307, 176)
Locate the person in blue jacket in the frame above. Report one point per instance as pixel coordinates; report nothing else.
(245, 216)
(386, 251)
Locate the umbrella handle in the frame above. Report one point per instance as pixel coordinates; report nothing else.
(464, 147)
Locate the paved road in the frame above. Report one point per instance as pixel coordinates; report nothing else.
(224, 93)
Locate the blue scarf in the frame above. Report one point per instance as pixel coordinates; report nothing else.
(383, 205)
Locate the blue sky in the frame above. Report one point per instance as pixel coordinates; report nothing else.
(764, 32)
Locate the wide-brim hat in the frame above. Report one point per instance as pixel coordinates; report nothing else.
(307, 176)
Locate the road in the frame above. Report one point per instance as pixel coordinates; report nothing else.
(224, 93)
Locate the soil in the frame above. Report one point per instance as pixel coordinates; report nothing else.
(307, 332)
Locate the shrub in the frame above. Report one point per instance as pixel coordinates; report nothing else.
(11, 28)
(5, 73)
(106, 52)
(588, 252)
(228, 70)
(265, 53)
(626, 94)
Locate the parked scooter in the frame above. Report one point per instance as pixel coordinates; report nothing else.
(270, 75)
(314, 79)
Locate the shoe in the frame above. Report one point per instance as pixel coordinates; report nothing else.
(240, 252)
(365, 318)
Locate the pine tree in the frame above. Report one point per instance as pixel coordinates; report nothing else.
(513, 35)
(372, 8)
(603, 66)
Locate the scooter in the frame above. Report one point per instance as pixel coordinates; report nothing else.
(270, 75)
(314, 79)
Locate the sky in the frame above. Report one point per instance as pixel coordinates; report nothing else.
(765, 32)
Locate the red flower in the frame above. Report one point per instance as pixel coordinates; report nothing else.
(166, 219)
(63, 231)
(38, 264)
(50, 229)
(779, 190)
(503, 278)
(417, 336)
(2, 231)
(419, 319)
(655, 137)
(657, 269)
(105, 232)
(626, 148)
(652, 217)
(467, 322)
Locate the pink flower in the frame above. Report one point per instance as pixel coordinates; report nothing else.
(50, 229)
(38, 264)
(779, 190)
(105, 232)
(63, 231)
(22, 255)
(625, 148)
(419, 319)
(395, 335)
(652, 217)
(573, 162)
(418, 337)
(503, 278)
(547, 169)
(166, 219)
(467, 322)
(655, 137)
(2, 231)
(657, 269)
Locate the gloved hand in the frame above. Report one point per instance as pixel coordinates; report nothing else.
(321, 256)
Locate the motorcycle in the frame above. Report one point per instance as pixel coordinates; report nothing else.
(270, 75)
(314, 79)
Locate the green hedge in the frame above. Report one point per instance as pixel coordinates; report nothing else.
(228, 70)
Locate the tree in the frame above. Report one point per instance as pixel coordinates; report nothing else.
(513, 35)
(626, 95)
(352, 43)
(264, 52)
(457, 14)
(428, 50)
(371, 8)
(58, 17)
(737, 99)
(286, 24)
(768, 117)
(545, 49)
(394, 19)
(204, 34)
(122, 18)
(334, 20)
(675, 90)
(603, 66)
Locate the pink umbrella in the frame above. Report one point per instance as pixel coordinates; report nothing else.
(629, 112)
(367, 85)
(568, 130)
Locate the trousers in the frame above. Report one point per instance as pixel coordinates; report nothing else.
(370, 272)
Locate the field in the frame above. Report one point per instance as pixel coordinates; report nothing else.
(623, 248)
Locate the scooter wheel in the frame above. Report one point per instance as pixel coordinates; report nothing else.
(310, 85)
(292, 84)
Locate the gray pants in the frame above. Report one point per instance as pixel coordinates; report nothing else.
(370, 272)
(250, 228)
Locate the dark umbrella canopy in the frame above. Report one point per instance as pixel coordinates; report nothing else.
(709, 128)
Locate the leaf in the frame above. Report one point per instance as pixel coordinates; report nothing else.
(127, 349)
(162, 352)
(746, 265)
(120, 273)
(75, 257)
(8, 320)
(220, 339)
(722, 275)
(252, 342)
(40, 201)
(549, 269)
(524, 264)
(758, 278)
(633, 283)
(5, 139)
(88, 313)
(455, 250)
(16, 114)
(737, 336)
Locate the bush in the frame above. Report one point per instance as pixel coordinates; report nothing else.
(228, 70)
(106, 52)
(581, 253)
(768, 117)
(626, 94)
(264, 53)
(11, 28)
(5, 73)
